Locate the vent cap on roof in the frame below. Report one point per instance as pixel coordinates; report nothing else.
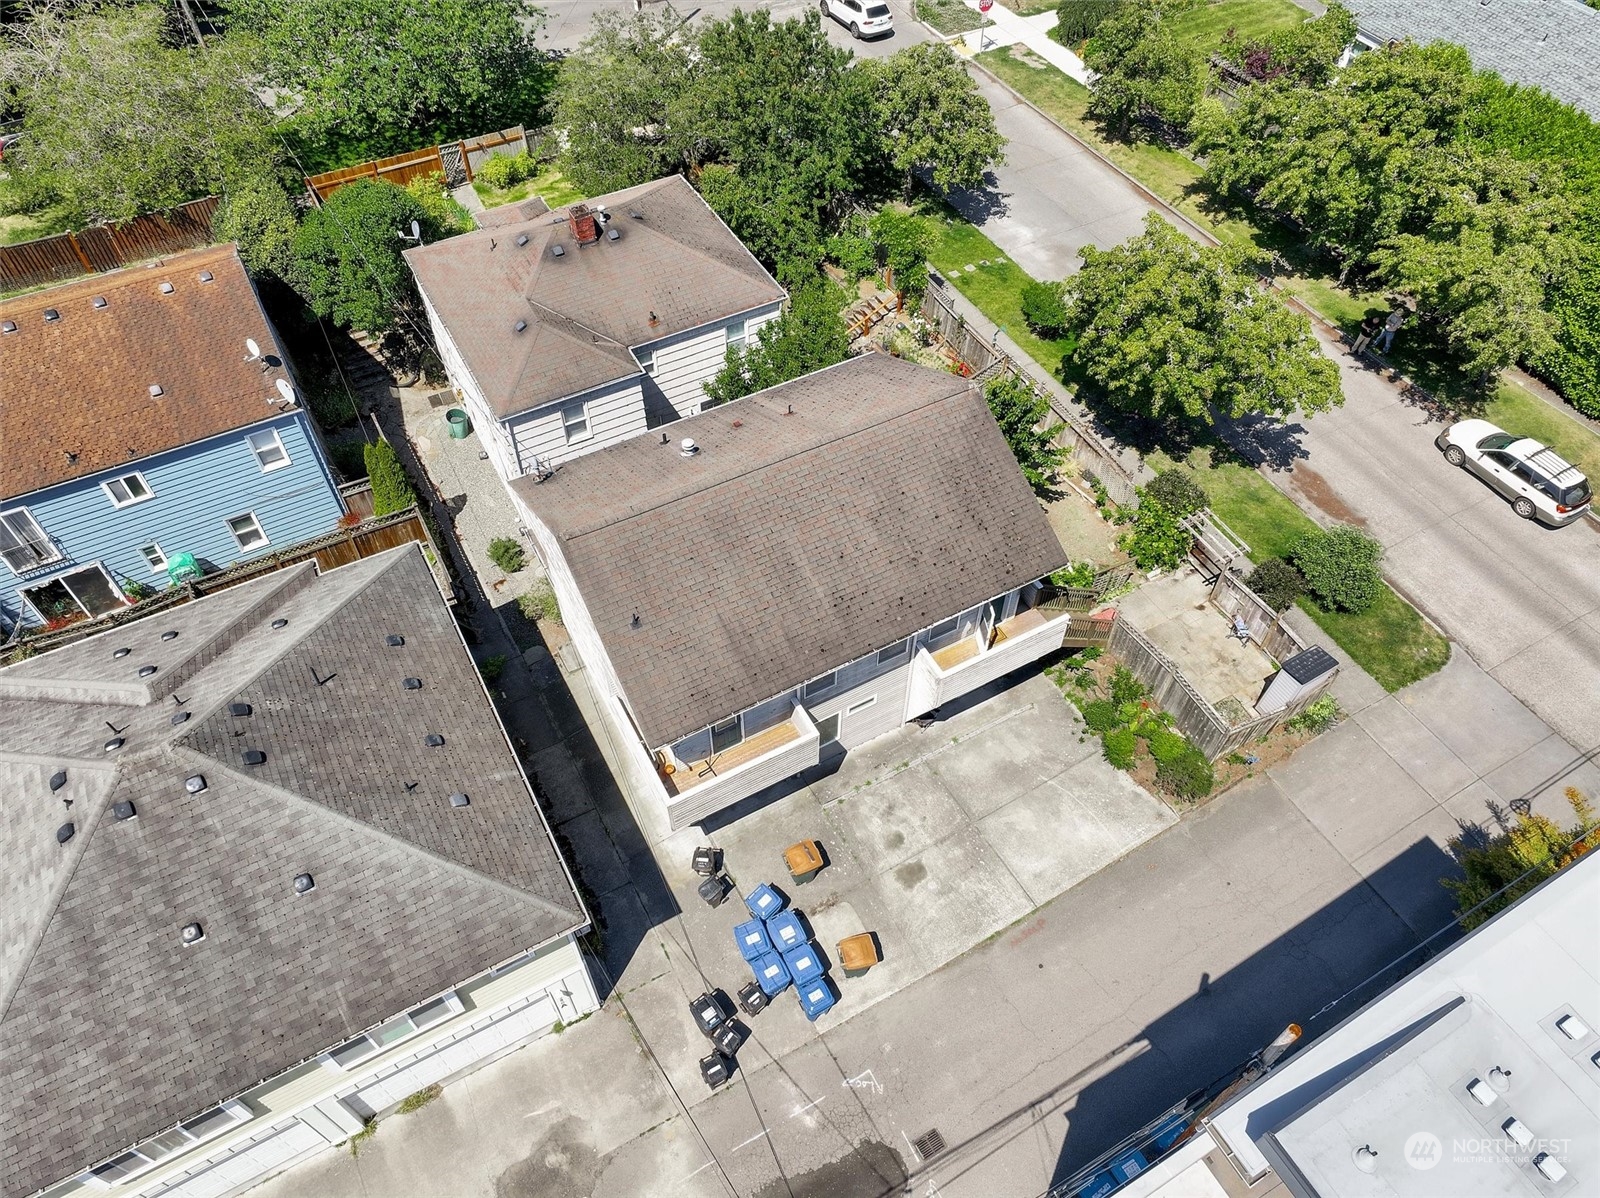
(206, 276)
(394, 640)
(239, 709)
(65, 833)
(687, 448)
(613, 234)
(522, 239)
(98, 301)
(433, 740)
(179, 717)
(167, 289)
(58, 780)
(304, 883)
(155, 391)
(170, 634)
(253, 757)
(123, 652)
(280, 622)
(115, 743)
(124, 810)
(558, 251)
(194, 783)
(192, 933)
(8, 326)
(460, 800)
(146, 671)
(520, 326)
(412, 684)
(51, 315)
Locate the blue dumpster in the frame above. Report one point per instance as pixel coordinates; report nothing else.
(804, 964)
(786, 931)
(771, 973)
(816, 997)
(764, 902)
(752, 940)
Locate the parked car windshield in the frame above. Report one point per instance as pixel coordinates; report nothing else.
(1575, 496)
(1497, 441)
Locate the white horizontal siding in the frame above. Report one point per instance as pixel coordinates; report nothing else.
(858, 682)
(616, 412)
(724, 791)
(491, 432)
(934, 687)
(685, 363)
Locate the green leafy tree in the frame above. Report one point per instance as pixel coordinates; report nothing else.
(261, 217)
(1178, 491)
(116, 122)
(617, 97)
(1157, 541)
(809, 336)
(1277, 582)
(1024, 416)
(931, 117)
(904, 241)
(1076, 20)
(1044, 308)
(1340, 566)
(368, 77)
(347, 261)
(1172, 330)
(1307, 52)
(1532, 849)
(1149, 81)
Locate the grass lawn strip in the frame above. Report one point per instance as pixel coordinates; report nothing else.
(1207, 25)
(549, 184)
(948, 16)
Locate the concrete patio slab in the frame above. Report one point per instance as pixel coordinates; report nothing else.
(953, 895)
(1175, 613)
(1415, 748)
(1355, 794)
(1012, 756)
(898, 818)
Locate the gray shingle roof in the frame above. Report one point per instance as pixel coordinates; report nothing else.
(585, 309)
(821, 520)
(110, 1029)
(1553, 44)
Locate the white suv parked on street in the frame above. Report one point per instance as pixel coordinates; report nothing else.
(866, 18)
(1539, 482)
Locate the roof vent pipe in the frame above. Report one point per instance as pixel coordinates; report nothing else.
(687, 448)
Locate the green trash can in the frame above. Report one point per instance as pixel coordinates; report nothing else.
(183, 568)
(460, 426)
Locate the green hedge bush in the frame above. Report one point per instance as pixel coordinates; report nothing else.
(1188, 776)
(1277, 582)
(1076, 20)
(391, 489)
(1100, 715)
(507, 553)
(1177, 491)
(1044, 309)
(1340, 566)
(1165, 745)
(1120, 746)
(501, 171)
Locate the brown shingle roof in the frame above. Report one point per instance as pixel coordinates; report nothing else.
(585, 309)
(821, 520)
(80, 384)
(110, 1029)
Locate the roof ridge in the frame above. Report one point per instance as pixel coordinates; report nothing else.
(383, 834)
(788, 457)
(25, 963)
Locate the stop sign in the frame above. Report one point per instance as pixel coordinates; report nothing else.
(985, 5)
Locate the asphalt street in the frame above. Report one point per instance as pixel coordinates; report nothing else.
(567, 22)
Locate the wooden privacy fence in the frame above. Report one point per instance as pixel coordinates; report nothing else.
(986, 360)
(1267, 629)
(330, 551)
(456, 161)
(107, 247)
(1209, 729)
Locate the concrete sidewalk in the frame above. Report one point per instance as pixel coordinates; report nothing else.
(1006, 28)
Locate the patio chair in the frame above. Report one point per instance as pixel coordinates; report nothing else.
(803, 859)
(859, 953)
(1241, 630)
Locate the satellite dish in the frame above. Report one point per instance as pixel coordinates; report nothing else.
(285, 390)
(252, 349)
(416, 231)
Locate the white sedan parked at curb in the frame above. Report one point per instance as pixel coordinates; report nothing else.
(866, 18)
(1541, 484)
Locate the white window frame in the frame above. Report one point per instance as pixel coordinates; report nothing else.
(42, 544)
(647, 361)
(144, 552)
(140, 1159)
(277, 445)
(62, 576)
(737, 334)
(450, 999)
(250, 516)
(568, 425)
(861, 705)
(122, 480)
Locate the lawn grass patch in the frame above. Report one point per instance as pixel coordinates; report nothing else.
(1390, 640)
(549, 184)
(1206, 26)
(996, 289)
(948, 16)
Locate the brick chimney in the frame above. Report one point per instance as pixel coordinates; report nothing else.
(584, 227)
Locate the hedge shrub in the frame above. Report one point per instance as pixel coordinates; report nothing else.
(1165, 745)
(1177, 491)
(1044, 309)
(391, 489)
(1100, 715)
(1188, 776)
(1120, 746)
(501, 171)
(1340, 566)
(1277, 582)
(507, 553)
(1076, 20)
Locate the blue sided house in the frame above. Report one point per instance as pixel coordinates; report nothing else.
(146, 414)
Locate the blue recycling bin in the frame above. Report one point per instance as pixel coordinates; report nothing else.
(786, 931)
(752, 940)
(764, 902)
(771, 973)
(816, 997)
(804, 964)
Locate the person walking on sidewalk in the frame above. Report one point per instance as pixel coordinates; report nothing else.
(1369, 330)
(1390, 328)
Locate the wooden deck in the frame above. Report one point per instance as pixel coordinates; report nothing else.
(953, 655)
(749, 749)
(1023, 621)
